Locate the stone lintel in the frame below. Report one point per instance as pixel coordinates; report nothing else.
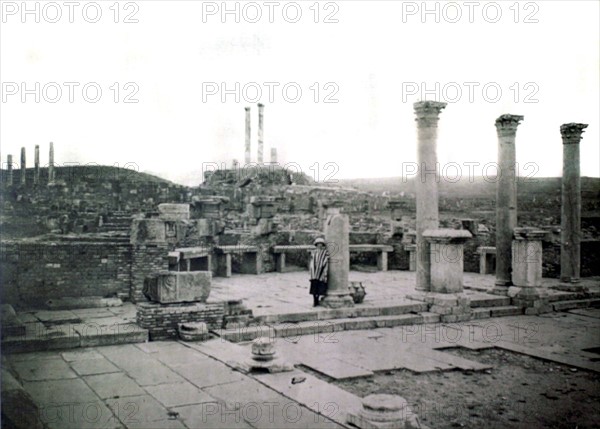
(447, 236)
(529, 234)
(571, 133)
(486, 249)
(410, 247)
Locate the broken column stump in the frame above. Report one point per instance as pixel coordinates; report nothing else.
(381, 411)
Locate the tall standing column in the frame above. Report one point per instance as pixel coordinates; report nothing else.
(260, 133)
(51, 164)
(36, 173)
(9, 170)
(247, 149)
(570, 234)
(23, 166)
(506, 200)
(337, 236)
(427, 185)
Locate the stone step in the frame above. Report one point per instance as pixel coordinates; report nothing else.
(576, 303)
(498, 301)
(293, 330)
(506, 310)
(342, 313)
(71, 336)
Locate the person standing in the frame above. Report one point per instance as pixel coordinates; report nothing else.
(319, 266)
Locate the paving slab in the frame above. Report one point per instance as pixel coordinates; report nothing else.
(99, 365)
(151, 373)
(328, 401)
(80, 354)
(179, 394)
(211, 416)
(116, 385)
(143, 411)
(60, 391)
(335, 368)
(48, 369)
(589, 312)
(206, 373)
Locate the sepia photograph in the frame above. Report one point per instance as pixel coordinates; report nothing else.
(310, 214)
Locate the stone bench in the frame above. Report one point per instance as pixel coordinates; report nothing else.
(190, 259)
(487, 259)
(412, 256)
(280, 252)
(381, 249)
(250, 259)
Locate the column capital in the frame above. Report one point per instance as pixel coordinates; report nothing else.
(507, 124)
(428, 112)
(571, 133)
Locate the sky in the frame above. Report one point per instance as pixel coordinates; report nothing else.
(163, 89)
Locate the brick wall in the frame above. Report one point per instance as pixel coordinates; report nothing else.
(35, 272)
(162, 320)
(146, 260)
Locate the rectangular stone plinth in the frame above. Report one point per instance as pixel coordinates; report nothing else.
(173, 212)
(148, 231)
(172, 287)
(162, 320)
(527, 262)
(446, 259)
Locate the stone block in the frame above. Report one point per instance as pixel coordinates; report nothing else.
(174, 212)
(148, 231)
(445, 300)
(172, 287)
(439, 309)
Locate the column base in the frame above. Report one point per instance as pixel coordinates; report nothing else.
(534, 300)
(337, 301)
(500, 290)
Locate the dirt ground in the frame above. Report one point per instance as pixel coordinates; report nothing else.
(519, 392)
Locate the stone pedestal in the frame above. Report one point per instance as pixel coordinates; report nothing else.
(527, 271)
(446, 258)
(412, 256)
(337, 236)
(381, 411)
(527, 257)
(426, 184)
(264, 358)
(506, 200)
(570, 237)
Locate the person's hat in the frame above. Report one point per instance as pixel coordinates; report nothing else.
(319, 240)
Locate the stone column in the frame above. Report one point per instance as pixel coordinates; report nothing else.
(9, 170)
(337, 236)
(427, 184)
(23, 166)
(273, 155)
(260, 133)
(51, 164)
(447, 260)
(247, 156)
(506, 200)
(570, 235)
(36, 174)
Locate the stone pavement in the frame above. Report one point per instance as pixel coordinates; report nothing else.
(179, 385)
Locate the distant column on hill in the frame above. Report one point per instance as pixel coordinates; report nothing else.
(9, 170)
(274, 155)
(570, 231)
(36, 163)
(23, 166)
(247, 150)
(260, 133)
(51, 164)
